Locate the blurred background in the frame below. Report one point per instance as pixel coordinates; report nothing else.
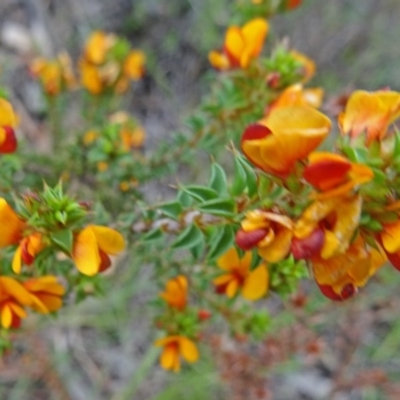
(102, 348)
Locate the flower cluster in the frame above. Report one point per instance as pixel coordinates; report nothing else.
(55, 75)
(108, 63)
(347, 228)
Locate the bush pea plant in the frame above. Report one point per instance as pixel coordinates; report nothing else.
(280, 204)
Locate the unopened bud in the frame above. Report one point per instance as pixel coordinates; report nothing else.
(311, 245)
(248, 240)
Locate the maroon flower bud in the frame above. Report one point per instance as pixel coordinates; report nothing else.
(204, 315)
(309, 246)
(9, 145)
(248, 240)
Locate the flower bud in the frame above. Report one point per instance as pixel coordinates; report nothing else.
(9, 144)
(204, 315)
(348, 291)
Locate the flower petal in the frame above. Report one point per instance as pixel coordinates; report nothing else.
(228, 260)
(188, 349)
(11, 225)
(279, 248)
(256, 284)
(85, 252)
(108, 240)
(391, 237)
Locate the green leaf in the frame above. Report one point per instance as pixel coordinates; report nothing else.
(219, 207)
(198, 250)
(152, 235)
(200, 193)
(222, 242)
(63, 239)
(184, 199)
(171, 209)
(251, 177)
(189, 238)
(218, 180)
(239, 182)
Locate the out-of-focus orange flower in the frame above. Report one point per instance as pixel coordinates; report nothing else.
(175, 347)
(134, 65)
(27, 250)
(175, 293)
(89, 137)
(291, 4)
(340, 276)
(107, 63)
(308, 65)
(295, 96)
(55, 75)
(131, 133)
(241, 45)
(370, 113)
(252, 284)
(334, 175)
(8, 121)
(337, 217)
(270, 232)
(41, 294)
(92, 247)
(284, 137)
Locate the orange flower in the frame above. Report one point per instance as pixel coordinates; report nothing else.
(55, 75)
(47, 293)
(296, 95)
(370, 113)
(339, 277)
(270, 232)
(241, 45)
(41, 294)
(8, 121)
(334, 175)
(176, 292)
(175, 347)
(92, 247)
(337, 217)
(284, 137)
(252, 284)
(27, 250)
(134, 65)
(131, 133)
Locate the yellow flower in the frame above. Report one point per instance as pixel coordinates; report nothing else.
(284, 137)
(175, 347)
(89, 137)
(370, 113)
(252, 284)
(92, 247)
(132, 135)
(270, 232)
(8, 121)
(98, 45)
(102, 166)
(241, 45)
(176, 292)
